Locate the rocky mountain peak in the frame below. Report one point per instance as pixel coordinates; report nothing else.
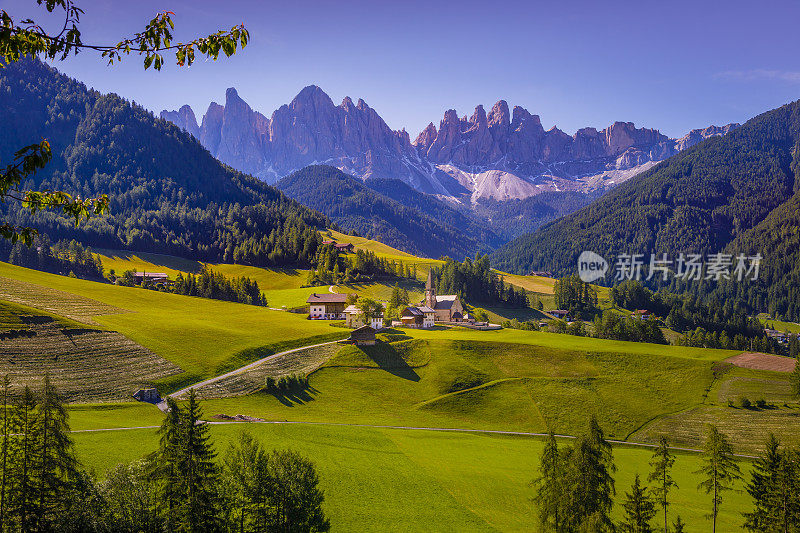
(499, 154)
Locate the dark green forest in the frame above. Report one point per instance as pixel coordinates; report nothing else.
(167, 193)
(475, 281)
(733, 193)
(390, 211)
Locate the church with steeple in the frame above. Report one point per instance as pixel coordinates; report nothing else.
(446, 308)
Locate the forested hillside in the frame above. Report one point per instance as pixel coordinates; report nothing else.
(726, 193)
(168, 194)
(389, 211)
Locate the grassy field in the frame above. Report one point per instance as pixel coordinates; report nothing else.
(500, 385)
(201, 336)
(778, 325)
(405, 480)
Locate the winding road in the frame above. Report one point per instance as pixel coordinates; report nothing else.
(245, 368)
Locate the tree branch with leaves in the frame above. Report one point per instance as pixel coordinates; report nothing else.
(27, 38)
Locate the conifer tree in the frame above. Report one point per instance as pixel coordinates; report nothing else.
(639, 510)
(678, 526)
(795, 379)
(22, 492)
(550, 493)
(719, 469)
(56, 459)
(591, 480)
(166, 464)
(199, 471)
(774, 488)
(661, 463)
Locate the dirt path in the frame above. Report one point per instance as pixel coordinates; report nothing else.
(245, 368)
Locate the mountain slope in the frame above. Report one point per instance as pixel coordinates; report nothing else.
(168, 194)
(380, 208)
(501, 155)
(719, 194)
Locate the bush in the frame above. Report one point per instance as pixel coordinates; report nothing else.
(761, 403)
(744, 403)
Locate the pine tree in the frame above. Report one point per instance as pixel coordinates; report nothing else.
(166, 467)
(661, 463)
(774, 488)
(639, 509)
(549, 487)
(719, 469)
(22, 494)
(199, 471)
(678, 526)
(592, 481)
(56, 458)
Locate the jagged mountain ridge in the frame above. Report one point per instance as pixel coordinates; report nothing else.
(501, 155)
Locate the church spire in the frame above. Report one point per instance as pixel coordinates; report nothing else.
(430, 291)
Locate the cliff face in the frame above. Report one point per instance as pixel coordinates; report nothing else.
(500, 155)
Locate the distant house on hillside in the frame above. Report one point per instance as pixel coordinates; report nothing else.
(153, 277)
(344, 247)
(561, 314)
(642, 314)
(363, 336)
(541, 273)
(447, 307)
(420, 316)
(327, 306)
(355, 319)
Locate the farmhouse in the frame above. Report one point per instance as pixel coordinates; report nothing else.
(326, 306)
(153, 277)
(363, 336)
(147, 395)
(421, 316)
(562, 314)
(355, 319)
(344, 247)
(642, 314)
(446, 308)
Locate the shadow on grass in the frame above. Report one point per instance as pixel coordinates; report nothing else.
(389, 359)
(291, 398)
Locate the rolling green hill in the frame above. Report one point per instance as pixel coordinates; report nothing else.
(735, 193)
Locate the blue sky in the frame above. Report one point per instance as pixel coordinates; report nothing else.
(672, 65)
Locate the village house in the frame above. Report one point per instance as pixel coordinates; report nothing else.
(642, 314)
(147, 395)
(421, 316)
(446, 308)
(363, 336)
(355, 319)
(344, 247)
(327, 306)
(562, 314)
(152, 277)
(779, 336)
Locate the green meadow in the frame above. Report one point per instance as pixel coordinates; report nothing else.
(378, 479)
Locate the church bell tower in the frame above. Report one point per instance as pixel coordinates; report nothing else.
(430, 291)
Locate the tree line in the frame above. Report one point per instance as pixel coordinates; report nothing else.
(64, 257)
(475, 281)
(181, 487)
(205, 284)
(575, 488)
(334, 267)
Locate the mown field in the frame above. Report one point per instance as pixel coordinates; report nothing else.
(379, 479)
(201, 336)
